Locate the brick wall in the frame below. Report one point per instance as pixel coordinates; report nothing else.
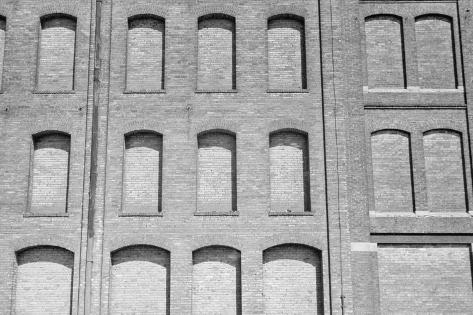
(384, 52)
(216, 173)
(50, 174)
(425, 279)
(216, 281)
(43, 281)
(292, 280)
(56, 54)
(140, 281)
(216, 54)
(392, 180)
(142, 173)
(286, 54)
(289, 172)
(145, 54)
(444, 171)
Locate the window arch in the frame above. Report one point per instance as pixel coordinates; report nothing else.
(385, 51)
(392, 171)
(216, 171)
(216, 64)
(435, 51)
(216, 281)
(289, 171)
(140, 280)
(50, 173)
(444, 170)
(142, 173)
(145, 53)
(56, 53)
(286, 52)
(292, 279)
(44, 280)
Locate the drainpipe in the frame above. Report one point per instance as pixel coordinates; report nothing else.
(93, 160)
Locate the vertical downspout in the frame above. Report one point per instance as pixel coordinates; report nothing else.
(93, 160)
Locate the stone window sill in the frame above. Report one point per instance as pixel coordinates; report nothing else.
(144, 91)
(45, 215)
(421, 214)
(206, 91)
(128, 214)
(287, 91)
(290, 214)
(54, 92)
(216, 214)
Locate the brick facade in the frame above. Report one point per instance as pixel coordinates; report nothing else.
(245, 157)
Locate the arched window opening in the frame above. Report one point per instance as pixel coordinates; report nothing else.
(3, 27)
(56, 53)
(145, 53)
(286, 52)
(140, 281)
(44, 281)
(292, 280)
(444, 171)
(385, 52)
(392, 171)
(435, 52)
(50, 173)
(289, 171)
(216, 53)
(142, 179)
(216, 281)
(216, 172)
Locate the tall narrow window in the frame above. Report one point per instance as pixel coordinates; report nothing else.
(292, 277)
(216, 281)
(145, 53)
(216, 172)
(143, 173)
(286, 53)
(216, 53)
(44, 281)
(140, 281)
(385, 51)
(435, 52)
(56, 53)
(289, 172)
(392, 175)
(50, 173)
(3, 24)
(444, 170)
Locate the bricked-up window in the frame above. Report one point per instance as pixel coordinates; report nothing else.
(289, 171)
(145, 53)
(3, 24)
(385, 52)
(142, 173)
(286, 53)
(216, 281)
(444, 170)
(44, 281)
(56, 53)
(435, 51)
(292, 280)
(50, 173)
(216, 52)
(392, 173)
(216, 172)
(140, 281)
